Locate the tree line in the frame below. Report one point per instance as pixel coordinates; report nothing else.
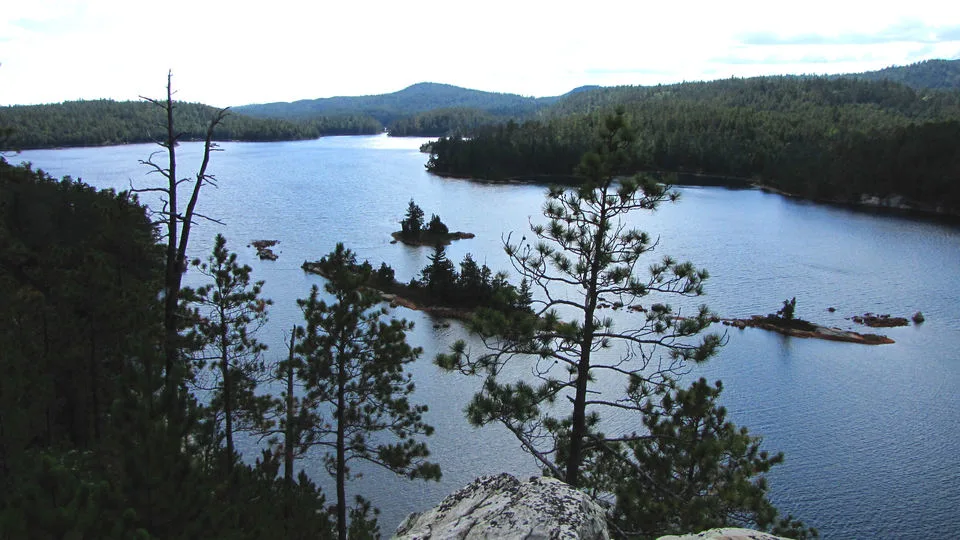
(124, 391)
(411, 101)
(106, 122)
(831, 139)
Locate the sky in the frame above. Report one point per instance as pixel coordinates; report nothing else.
(239, 52)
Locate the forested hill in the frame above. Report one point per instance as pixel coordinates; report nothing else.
(841, 139)
(104, 122)
(414, 99)
(933, 74)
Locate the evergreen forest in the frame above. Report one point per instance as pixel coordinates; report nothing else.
(831, 139)
(107, 122)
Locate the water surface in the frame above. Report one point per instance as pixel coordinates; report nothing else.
(871, 434)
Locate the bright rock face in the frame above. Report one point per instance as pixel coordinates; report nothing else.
(725, 534)
(504, 507)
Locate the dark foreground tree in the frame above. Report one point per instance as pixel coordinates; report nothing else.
(177, 221)
(85, 452)
(691, 470)
(227, 313)
(353, 368)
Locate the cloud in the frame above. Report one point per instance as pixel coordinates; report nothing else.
(904, 31)
(627, 71)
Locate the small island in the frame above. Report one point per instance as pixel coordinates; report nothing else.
(263, 249)
(413, 232)
(440, 289)
(783, 322)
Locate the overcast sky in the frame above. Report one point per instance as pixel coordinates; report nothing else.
(235, 53)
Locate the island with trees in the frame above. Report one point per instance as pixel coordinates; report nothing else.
(415, 232)
(440, 289)
(784, 322)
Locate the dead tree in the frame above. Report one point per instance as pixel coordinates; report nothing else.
(176, 223)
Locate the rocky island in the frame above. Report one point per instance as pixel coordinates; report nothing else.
(805, 329)
(263, 249)
(413, 231)
(783, 322)
(440, 289)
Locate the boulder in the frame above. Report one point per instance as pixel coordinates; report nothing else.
(504, 507)
(728, 533)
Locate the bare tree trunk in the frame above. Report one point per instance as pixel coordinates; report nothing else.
(227, 394)
(341, 455)
(173, 274)
(579, 428)
(177, 233)
(291, 415)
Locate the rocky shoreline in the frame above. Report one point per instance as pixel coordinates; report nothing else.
(428, 239)
(804, 329)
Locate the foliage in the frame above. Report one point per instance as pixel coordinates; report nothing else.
(87, 449)
(436, 226)
(442, 122)
(353, 367)
(439, 277)
(415, 99)
(108, 122)
(78, 278)
(691, 470)
(227, 312)
(786, 312)
(412, 224)
(933, 74)
(836, 139)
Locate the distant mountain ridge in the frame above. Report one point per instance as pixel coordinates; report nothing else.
(415, 99)
(931, 74)
(428, 96)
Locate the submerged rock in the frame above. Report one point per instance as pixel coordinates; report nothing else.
(880, 321)
(504, 507)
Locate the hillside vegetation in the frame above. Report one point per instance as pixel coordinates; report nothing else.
(933, 74)
(838, 139)
(104, 122)
(414, 99)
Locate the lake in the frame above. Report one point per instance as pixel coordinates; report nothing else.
(871, 433)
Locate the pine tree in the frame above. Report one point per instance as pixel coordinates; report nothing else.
(412, 225)
(353, 368)
(228, 312)
(692, 470)
(440, 276)
(584, 260)
(585, 257)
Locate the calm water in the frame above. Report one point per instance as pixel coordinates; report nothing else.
(871, 434)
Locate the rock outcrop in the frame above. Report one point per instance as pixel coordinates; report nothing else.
(804, 329)
(725, 534)
(504, 507)
(263, 249)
